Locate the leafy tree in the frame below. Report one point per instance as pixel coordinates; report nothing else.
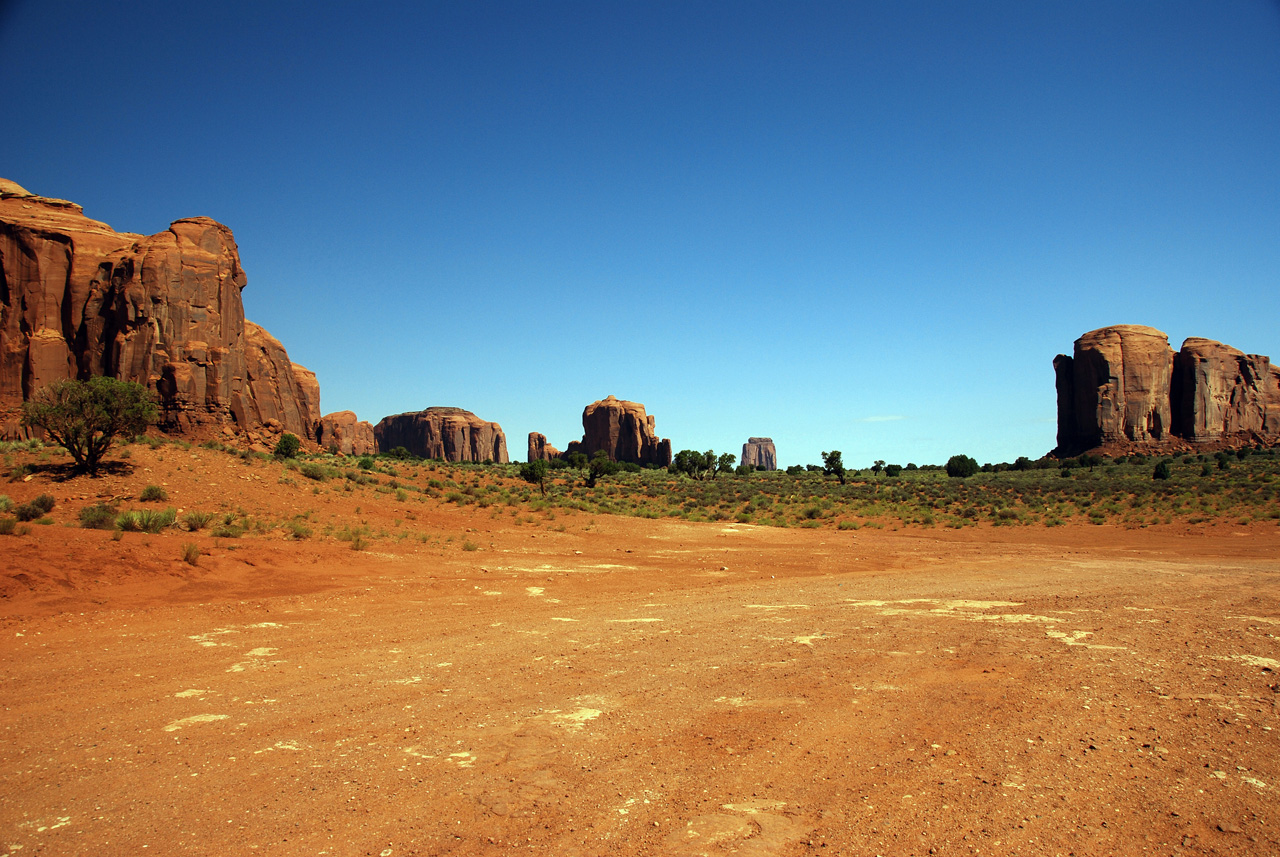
(577, 460)
(961, 466)
(833, 465)
(725, 463)
(535, 473)
(892, 469)
(288, 447)
(795, 470)
(601, 465)
(87, 416)
(877, 466)
(745, 469)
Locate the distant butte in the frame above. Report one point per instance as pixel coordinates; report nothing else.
(623, 431)
(451, 434)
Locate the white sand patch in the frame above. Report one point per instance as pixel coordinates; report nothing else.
(1256, 661)
(194, 719)
(187, 694)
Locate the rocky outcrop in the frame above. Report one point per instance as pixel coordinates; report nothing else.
(79, 299)
(1124, 389)
(1221, 393)
(759, 452)
(624, 431)
(343, 432)
(539, 449)
(451, 434)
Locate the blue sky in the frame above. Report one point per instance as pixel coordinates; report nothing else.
(860, 226)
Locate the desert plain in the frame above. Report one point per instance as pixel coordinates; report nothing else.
(492, 681)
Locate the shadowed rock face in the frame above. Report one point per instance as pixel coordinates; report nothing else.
(624, 431)
(760, 452)
(539, 449)
(79, 299)
(1124, 388)
(448, 433)
(344, 432)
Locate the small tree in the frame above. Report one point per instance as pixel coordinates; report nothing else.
(877, 466)
(288, 447)
(535, 473)
(833, 465)
(1164, 470)
(961, 467)
(85, 417)
(892, 469)
(725, 463)
(601, 465)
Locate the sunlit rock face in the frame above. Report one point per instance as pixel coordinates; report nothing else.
(451, 434)
(79, 299)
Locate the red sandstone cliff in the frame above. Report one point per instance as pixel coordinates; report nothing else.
(345, 433)
(79, 299)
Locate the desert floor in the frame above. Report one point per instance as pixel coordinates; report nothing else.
(591, 685)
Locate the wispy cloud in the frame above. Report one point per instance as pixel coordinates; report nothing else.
(881, 419)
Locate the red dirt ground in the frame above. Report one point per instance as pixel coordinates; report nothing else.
(591, 685)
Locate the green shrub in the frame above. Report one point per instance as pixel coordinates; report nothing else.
(28, 512)
(311, 470)
(961, 467)
(153, 494)
(297, 529)
(146, 520)
(7, 526)
(99, 516)
(1164, 470)
(5, 503)
(197, 520)
(288, 447)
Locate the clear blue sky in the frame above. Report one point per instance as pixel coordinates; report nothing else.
(866, 226)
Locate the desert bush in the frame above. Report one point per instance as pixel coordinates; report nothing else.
(85, 417)
(8, 526)
(297, 529)
(1163, 470)
(99, 516)
(28, 512)
(311, 470)
(5, 503)
(191, 553)
(288, 446)
(961, 467)
(197, 520)
(153, 494)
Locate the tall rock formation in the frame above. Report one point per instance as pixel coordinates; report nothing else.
(624, 431)
(78, 299)
(539, 449)
(345, 433)
(1125, 389)
(1115, 388)
(759, 452)
(1221, 393)
(448, 433)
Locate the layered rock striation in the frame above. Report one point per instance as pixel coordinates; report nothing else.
(759, 452)
(1124, 388)
(344, 432)
(451, 434)
(623, 431)
(79, 299)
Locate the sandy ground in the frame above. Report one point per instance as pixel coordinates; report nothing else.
(590, 685)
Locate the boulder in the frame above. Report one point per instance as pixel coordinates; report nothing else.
(345, 433)
(624, 431)
(451, 434)
(1221, 393)
(79, 299)
(539, 449)
(1114, 389)
(760, 452)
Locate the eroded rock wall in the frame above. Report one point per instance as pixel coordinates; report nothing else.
(760, 452)
(79, 299)
(451, 434)
(624, 431)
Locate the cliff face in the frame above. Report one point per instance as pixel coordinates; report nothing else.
(624, 431)
(448, 433)
(760, 452)
(79, 299)
(1124, 388)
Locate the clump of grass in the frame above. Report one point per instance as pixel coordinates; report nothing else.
(297, 529)
(311, 470)
(5, 503)
(147, 520)
(99, 516)
(197, 520)
(470, 546)
(9, 526)
(191, 553)
(153, 494)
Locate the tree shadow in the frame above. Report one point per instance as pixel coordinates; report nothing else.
(66, 471)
